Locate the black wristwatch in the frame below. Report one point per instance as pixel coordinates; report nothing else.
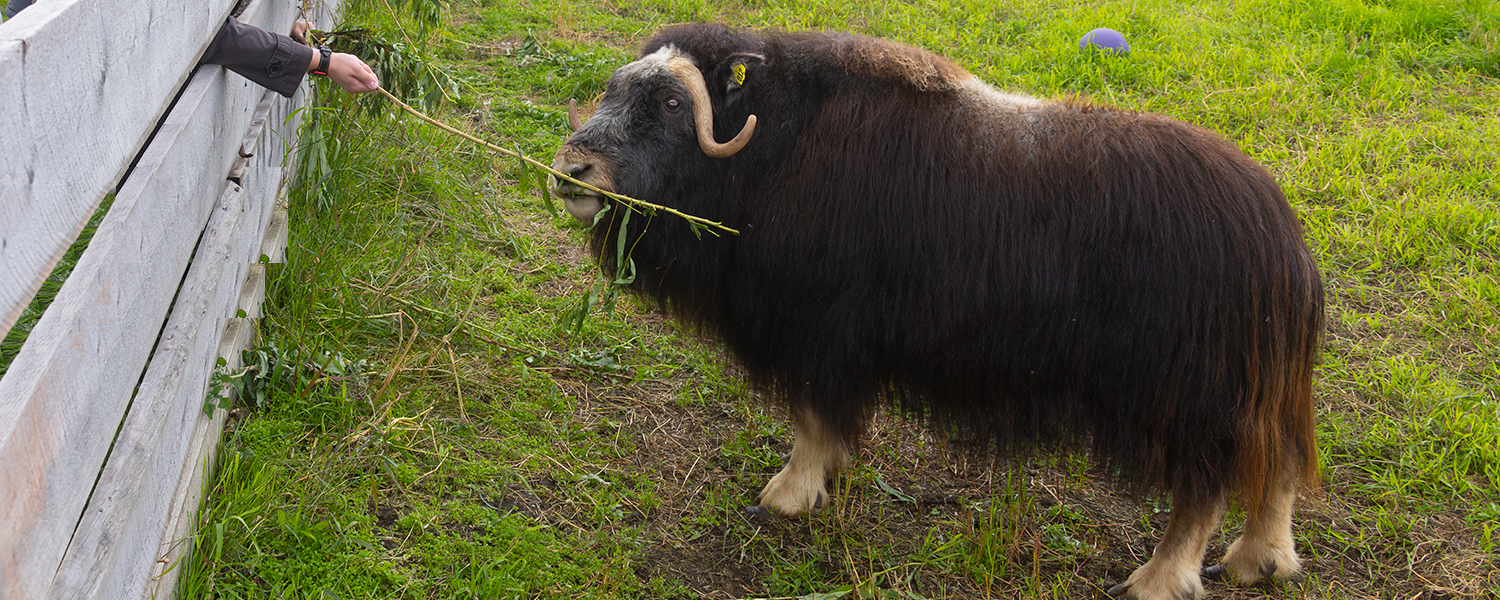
(323, 62)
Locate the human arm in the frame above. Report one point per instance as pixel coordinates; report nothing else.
(273, 61)
(279, 63)
(348, 71)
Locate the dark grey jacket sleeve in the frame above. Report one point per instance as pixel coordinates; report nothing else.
(275, 61)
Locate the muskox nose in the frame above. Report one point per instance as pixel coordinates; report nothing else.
(573, 169)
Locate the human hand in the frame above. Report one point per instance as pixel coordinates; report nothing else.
(299, 31)
(351, 73)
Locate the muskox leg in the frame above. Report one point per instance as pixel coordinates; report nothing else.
(1266, 548)
(1173, 573)
(817, 453)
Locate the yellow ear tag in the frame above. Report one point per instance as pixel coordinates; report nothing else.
(739, 74)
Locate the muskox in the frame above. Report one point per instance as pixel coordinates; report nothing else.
(1017, 273)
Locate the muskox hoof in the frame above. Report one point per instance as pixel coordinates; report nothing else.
(759, 513)
(1220, 574)
(1123, 592)
(794, 492)
(763, 512)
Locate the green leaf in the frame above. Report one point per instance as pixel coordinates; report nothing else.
(625, 275)
(547, 194)
(898, 494)
(621, 237)
(526, 182)
(572, 320)
(607, 306)
(218, 540)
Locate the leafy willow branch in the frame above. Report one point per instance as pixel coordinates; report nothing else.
(697, 223)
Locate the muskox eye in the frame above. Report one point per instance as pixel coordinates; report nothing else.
(673, 104)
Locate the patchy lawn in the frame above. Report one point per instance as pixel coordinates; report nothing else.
(430, 431)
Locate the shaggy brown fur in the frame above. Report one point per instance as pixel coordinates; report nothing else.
(1018, 273)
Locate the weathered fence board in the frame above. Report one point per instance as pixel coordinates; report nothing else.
(127, 517)
(192, 481)
(203, 443)
(277, 234)
(128, 510)
(66, 391)
(85, 82)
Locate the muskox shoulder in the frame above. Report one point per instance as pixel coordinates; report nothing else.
(877, 59)
(895, 64)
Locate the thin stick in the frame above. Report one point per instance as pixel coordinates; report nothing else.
(474, 329)
(555, 173)
(400, 360)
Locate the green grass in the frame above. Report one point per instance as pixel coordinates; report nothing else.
(479, 451)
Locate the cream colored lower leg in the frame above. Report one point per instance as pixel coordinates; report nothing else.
(1173, 571)
(1266, 548)
(817, 454)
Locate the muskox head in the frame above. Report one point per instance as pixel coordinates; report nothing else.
(657, 117)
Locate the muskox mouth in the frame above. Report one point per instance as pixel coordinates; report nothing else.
(587, 174)
(581, 202)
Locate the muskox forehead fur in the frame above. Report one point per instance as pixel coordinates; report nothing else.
(665, 67)
(663, 61)
(646, 73)
(629, 86)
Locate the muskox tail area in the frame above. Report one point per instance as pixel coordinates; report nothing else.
(1276, 435)
(1248, 345)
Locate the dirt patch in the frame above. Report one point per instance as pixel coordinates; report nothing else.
(1067, 523)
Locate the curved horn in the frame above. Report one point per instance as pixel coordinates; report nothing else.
(703, 113)
(573, 115)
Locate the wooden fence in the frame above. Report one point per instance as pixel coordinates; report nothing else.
(104, 441)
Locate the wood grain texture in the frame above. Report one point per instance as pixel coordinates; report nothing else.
(252, 292)
(130, 516)
(277, 234)
(265, 189)
(192, 481)
(64, 396)
(66, 392)
(86, 81)
(129, 507)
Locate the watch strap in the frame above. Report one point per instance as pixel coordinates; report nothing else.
(323, 61)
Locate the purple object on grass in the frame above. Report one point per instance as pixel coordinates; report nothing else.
(1106, 40)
